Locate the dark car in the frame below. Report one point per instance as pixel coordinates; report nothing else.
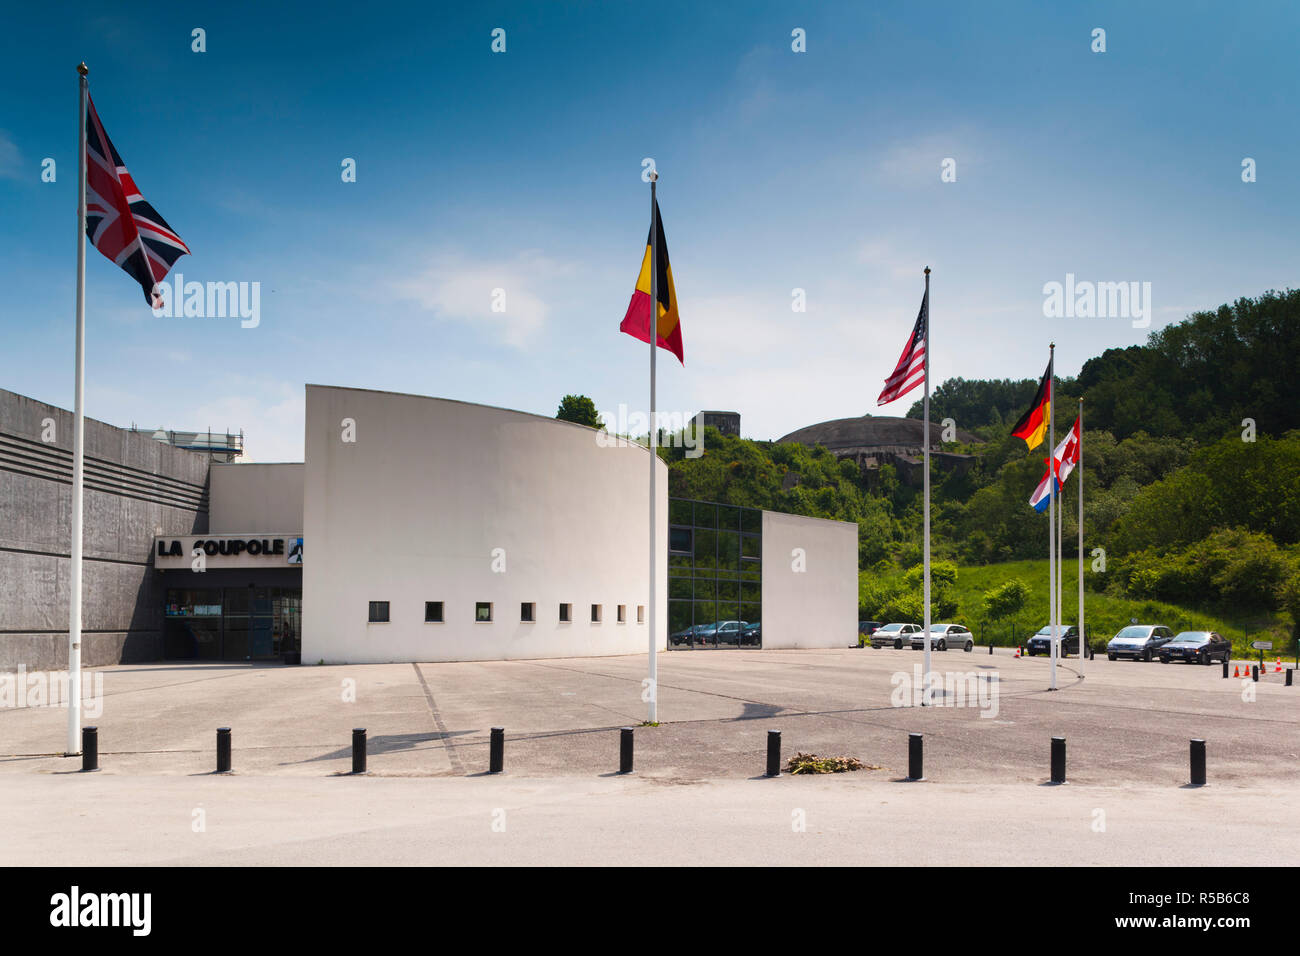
(1138, 641)
(1041, 643)
(685, 635)
(728, 632)
(1196, 647)
(752, 634)
(867, 628)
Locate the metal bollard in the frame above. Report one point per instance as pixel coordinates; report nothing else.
(774, 753)
(89, 749)
(223, 750)
(1225, 663)
(358, 750)
(1289, 672)
(990, 646)
(625, 750)
(915, 766)
(1058, 760)
(1254, 668)
(497, 750)
(1198, 763)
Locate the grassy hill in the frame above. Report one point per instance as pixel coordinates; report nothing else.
(1103, 614)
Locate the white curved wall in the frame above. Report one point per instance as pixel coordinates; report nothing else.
(414, 508)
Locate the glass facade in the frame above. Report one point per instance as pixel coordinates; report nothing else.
(232, 624)
(715, 575)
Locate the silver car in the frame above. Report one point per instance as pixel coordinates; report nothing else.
(893, 635)
(943, 636)
(1138, 641)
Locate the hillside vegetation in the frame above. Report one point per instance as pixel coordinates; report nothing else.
(1192, 482)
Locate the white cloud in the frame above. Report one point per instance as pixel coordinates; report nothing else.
(10, 160)
(916, 162)
(456, 288)
(272, 418)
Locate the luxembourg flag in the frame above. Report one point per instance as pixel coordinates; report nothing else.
(1063, 462)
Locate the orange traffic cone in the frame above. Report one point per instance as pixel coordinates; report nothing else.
(1017, 654)
(1276, 670)
(1234, 672)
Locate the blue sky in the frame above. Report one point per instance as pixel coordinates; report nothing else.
(522, 171)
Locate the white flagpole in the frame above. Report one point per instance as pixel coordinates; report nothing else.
(652, 444)
(1059, 554)
(1083, 649)
(1051, 505)
(925, 417)
(78, 432)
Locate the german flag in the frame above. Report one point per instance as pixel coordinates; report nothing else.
(1032, 426)
(637, 321)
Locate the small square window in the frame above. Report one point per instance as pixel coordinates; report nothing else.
(483, 611)
(432, 612)
(527, 611)
(622, 614)
(595, 613)
(566, 613)
(378, 612)
(640, 613)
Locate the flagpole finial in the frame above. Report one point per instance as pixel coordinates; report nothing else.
(82, 68)
(654, 175)
(927, 270)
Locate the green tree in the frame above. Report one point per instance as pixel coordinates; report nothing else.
(580, 410)
(1007, 601)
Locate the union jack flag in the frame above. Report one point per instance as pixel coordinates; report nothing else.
(910, 371)
(119, 221)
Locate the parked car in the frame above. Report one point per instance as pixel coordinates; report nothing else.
(867, 628)
(1138, 641)
(684, 635)
(728, 632)
(893, 635)
(1196, 647)
(943, 636)
(752, 634)
(1041, 643)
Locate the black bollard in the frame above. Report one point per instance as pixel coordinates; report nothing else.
(625, 750)
(1225, 663)
(915, 767)
(497, 750)
(223, 750)
(774, 753)
(358, 750)
(1058, 760)
(1254, 668)
(89, 749)
(1198, 763)
(1289, 672)
(990, 646)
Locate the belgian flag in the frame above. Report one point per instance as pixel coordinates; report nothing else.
(1032, 426)
(637, 321)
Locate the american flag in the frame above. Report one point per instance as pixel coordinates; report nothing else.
(910, 371)
(119, 222)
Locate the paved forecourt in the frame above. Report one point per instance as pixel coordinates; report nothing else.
(1125, 722)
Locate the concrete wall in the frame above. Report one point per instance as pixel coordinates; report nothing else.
(255, 497)
(135, 488)
(414, 509)
(818, 605)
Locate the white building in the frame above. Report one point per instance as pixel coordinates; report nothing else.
(425, 529)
